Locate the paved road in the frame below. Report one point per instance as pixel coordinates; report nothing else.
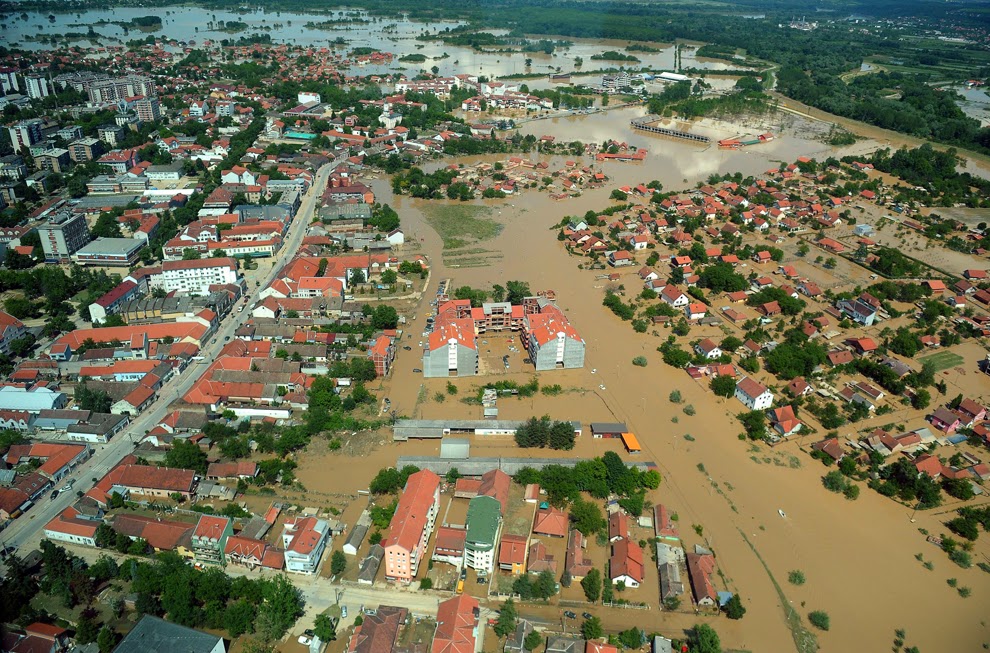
(28, 529)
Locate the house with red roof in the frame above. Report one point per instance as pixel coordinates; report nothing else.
(457, 623)
(304, 540)
(577, 562)
(411, 526)
(382, 353)
(512, 553)
(550, 521)
(253, 553)
(701, 566)
(69, 527)
(626, 563)
(784, 421)
(540, 559)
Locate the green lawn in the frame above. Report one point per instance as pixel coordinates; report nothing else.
(943, 360)
(460, 225)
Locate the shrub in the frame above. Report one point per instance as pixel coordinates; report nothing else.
(961, 558)
(640, 361)
(689, 410)
(819, 619)
(796, 577)
(425, 583)
(675, 396)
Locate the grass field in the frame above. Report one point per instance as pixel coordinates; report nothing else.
(460, 225)
(943, 360)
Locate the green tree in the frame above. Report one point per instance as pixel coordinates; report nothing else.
(734, 609)
(723, 386)
(632, 638)
(592, 628)
(283, 605)
(820, 619)
(545, 585)
(506, 623)
(86, 629)
(704, 639)
(532, 641)
(592, 585)
(324, 628)
(587, 517)
(338, 563)
(186, 455)
(106, 640)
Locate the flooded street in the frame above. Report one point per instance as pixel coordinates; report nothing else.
(864, 549)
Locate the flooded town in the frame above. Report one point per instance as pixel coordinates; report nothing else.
(355, 331)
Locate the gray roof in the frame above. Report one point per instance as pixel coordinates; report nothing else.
(511, 466)
(111, 247)
(608, 427)
(154, 635)
(98, 201)
(371, 563)
(175, 166)
(455, 448)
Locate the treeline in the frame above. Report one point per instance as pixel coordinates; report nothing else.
(545, 433)
(894, 101)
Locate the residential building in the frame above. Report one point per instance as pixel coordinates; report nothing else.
(68, 527)
(700, 568)
(56, 159)
(9, 83)
(382, 353)
(858, 311)
(451, 350)
(449, 545)
(111, 302)
(194, 277)
(411, 526)
(577, 562)
(110, 252)
(209, 538)
(57, 460)
(10, 329)
(253, 553)
(154, 635)
(112, 135)
(626, 563)
(753, 395)
(540, 559)
(304, 540)
(111, 90)
(457, 625)
(62, 236)
(550, 521)
(618, 526)
(484, 522)
(127, 478)
(552, 342)
(85, 149)
(379, 631)
(512, 554)
(516, 642)
(148, 109)
(25, 133)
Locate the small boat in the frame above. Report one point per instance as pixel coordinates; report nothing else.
(782, 513)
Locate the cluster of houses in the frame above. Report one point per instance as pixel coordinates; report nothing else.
(547, 335)
(208, 539)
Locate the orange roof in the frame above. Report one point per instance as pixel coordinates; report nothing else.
(56, 456)
(410, 516)
(550, 521)
(175, 330)
(513, 550)
(457, 619)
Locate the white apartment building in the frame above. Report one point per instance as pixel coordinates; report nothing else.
(195, 277)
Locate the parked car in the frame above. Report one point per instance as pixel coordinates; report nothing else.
(305, 641)
(417, 370)
(407, 348)
(569, 614)
(586, 615)
(343, 612)
(54, 494)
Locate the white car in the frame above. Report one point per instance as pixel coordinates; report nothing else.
(305, 641)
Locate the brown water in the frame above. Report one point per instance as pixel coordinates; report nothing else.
(858, 556)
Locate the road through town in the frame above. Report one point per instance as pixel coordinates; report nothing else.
(26, 532)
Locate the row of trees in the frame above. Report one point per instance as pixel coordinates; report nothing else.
(544, 432)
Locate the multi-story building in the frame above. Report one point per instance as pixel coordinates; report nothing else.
(119, 161)
(112, 135)
(148, 109)
(411, 526)
(452, 350)
(70, 133)
(304, 540)
(382, 354)
(56, 159)
(62, 236)
(194, 277)
(85, 149)
(13, 167)
(119, 88)
(210, 538)
(10, 329)
(37, 87)
(483, 523)
(552, 342)
(8, 80)
(457, 625)
(25, 133)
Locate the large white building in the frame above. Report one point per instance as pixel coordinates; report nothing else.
(304, 540)
(753, 395)
(195, 277)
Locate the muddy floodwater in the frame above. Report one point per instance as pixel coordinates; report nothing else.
(859, 557)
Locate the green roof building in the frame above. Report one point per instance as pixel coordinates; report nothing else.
(484, 520)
